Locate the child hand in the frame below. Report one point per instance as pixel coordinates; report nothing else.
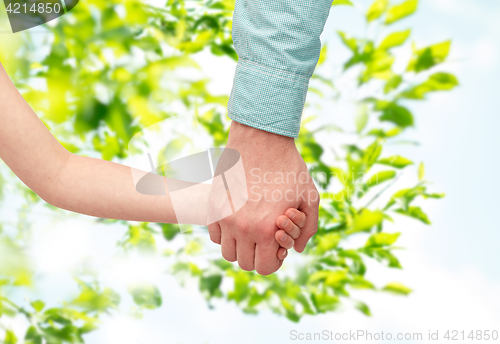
(290, 225)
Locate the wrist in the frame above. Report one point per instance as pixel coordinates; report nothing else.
(260, 148)
(241, 133)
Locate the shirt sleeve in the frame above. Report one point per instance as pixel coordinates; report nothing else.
(278, 45)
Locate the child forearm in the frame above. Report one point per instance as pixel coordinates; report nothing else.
(105, 189)
(80, 184)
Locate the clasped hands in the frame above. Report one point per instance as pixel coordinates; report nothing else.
(282, 207)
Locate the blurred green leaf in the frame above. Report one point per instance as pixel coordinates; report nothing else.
(393, 83)
(349, 42)
(416, 213)
(193, 247)
(15, 265)
(397, 114)
(326, 243)
(33, 336)
(361, 118)
(329, 278)
(317, 91)
(428, 57)
(38, 305)
(435, 82)
(224, 49)
(241, 285)
(213, 123)
(385, 134)
(10, 337)
(324, 80)
(145, 295)
(70, 147)
(94, 299)
(169, 230)
(140, 237)
(357, 267)
(372, 153)
(421, 171)
(342, 2)
(435, 195)
(363, 308)
(396, 161)
(385, 255)
(322, 55)
(397, 288)
(380, 177)
(378, 66)
(401, 11)
(312, 151)
(366, 220)
(394, 39)
(324, 302)
(382, 239)
(405, 196)
(359, 282)
(210, 284)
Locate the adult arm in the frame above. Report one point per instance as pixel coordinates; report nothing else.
(278, 45)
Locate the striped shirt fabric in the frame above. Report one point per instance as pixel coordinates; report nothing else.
(278, 45)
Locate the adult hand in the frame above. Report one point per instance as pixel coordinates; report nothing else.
(277, 179)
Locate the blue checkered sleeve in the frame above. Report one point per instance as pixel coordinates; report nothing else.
(278, 45)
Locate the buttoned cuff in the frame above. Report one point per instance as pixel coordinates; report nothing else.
(268, 99)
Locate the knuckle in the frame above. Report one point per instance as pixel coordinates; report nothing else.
(243, 233)
(267, 233)
(240, 224)
(264, 230)
(228, 221)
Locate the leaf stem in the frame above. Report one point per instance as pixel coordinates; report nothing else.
(379, 193)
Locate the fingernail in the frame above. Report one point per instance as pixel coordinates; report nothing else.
(283, 254)
(292, 215)
(283, 236)
(284, 223)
